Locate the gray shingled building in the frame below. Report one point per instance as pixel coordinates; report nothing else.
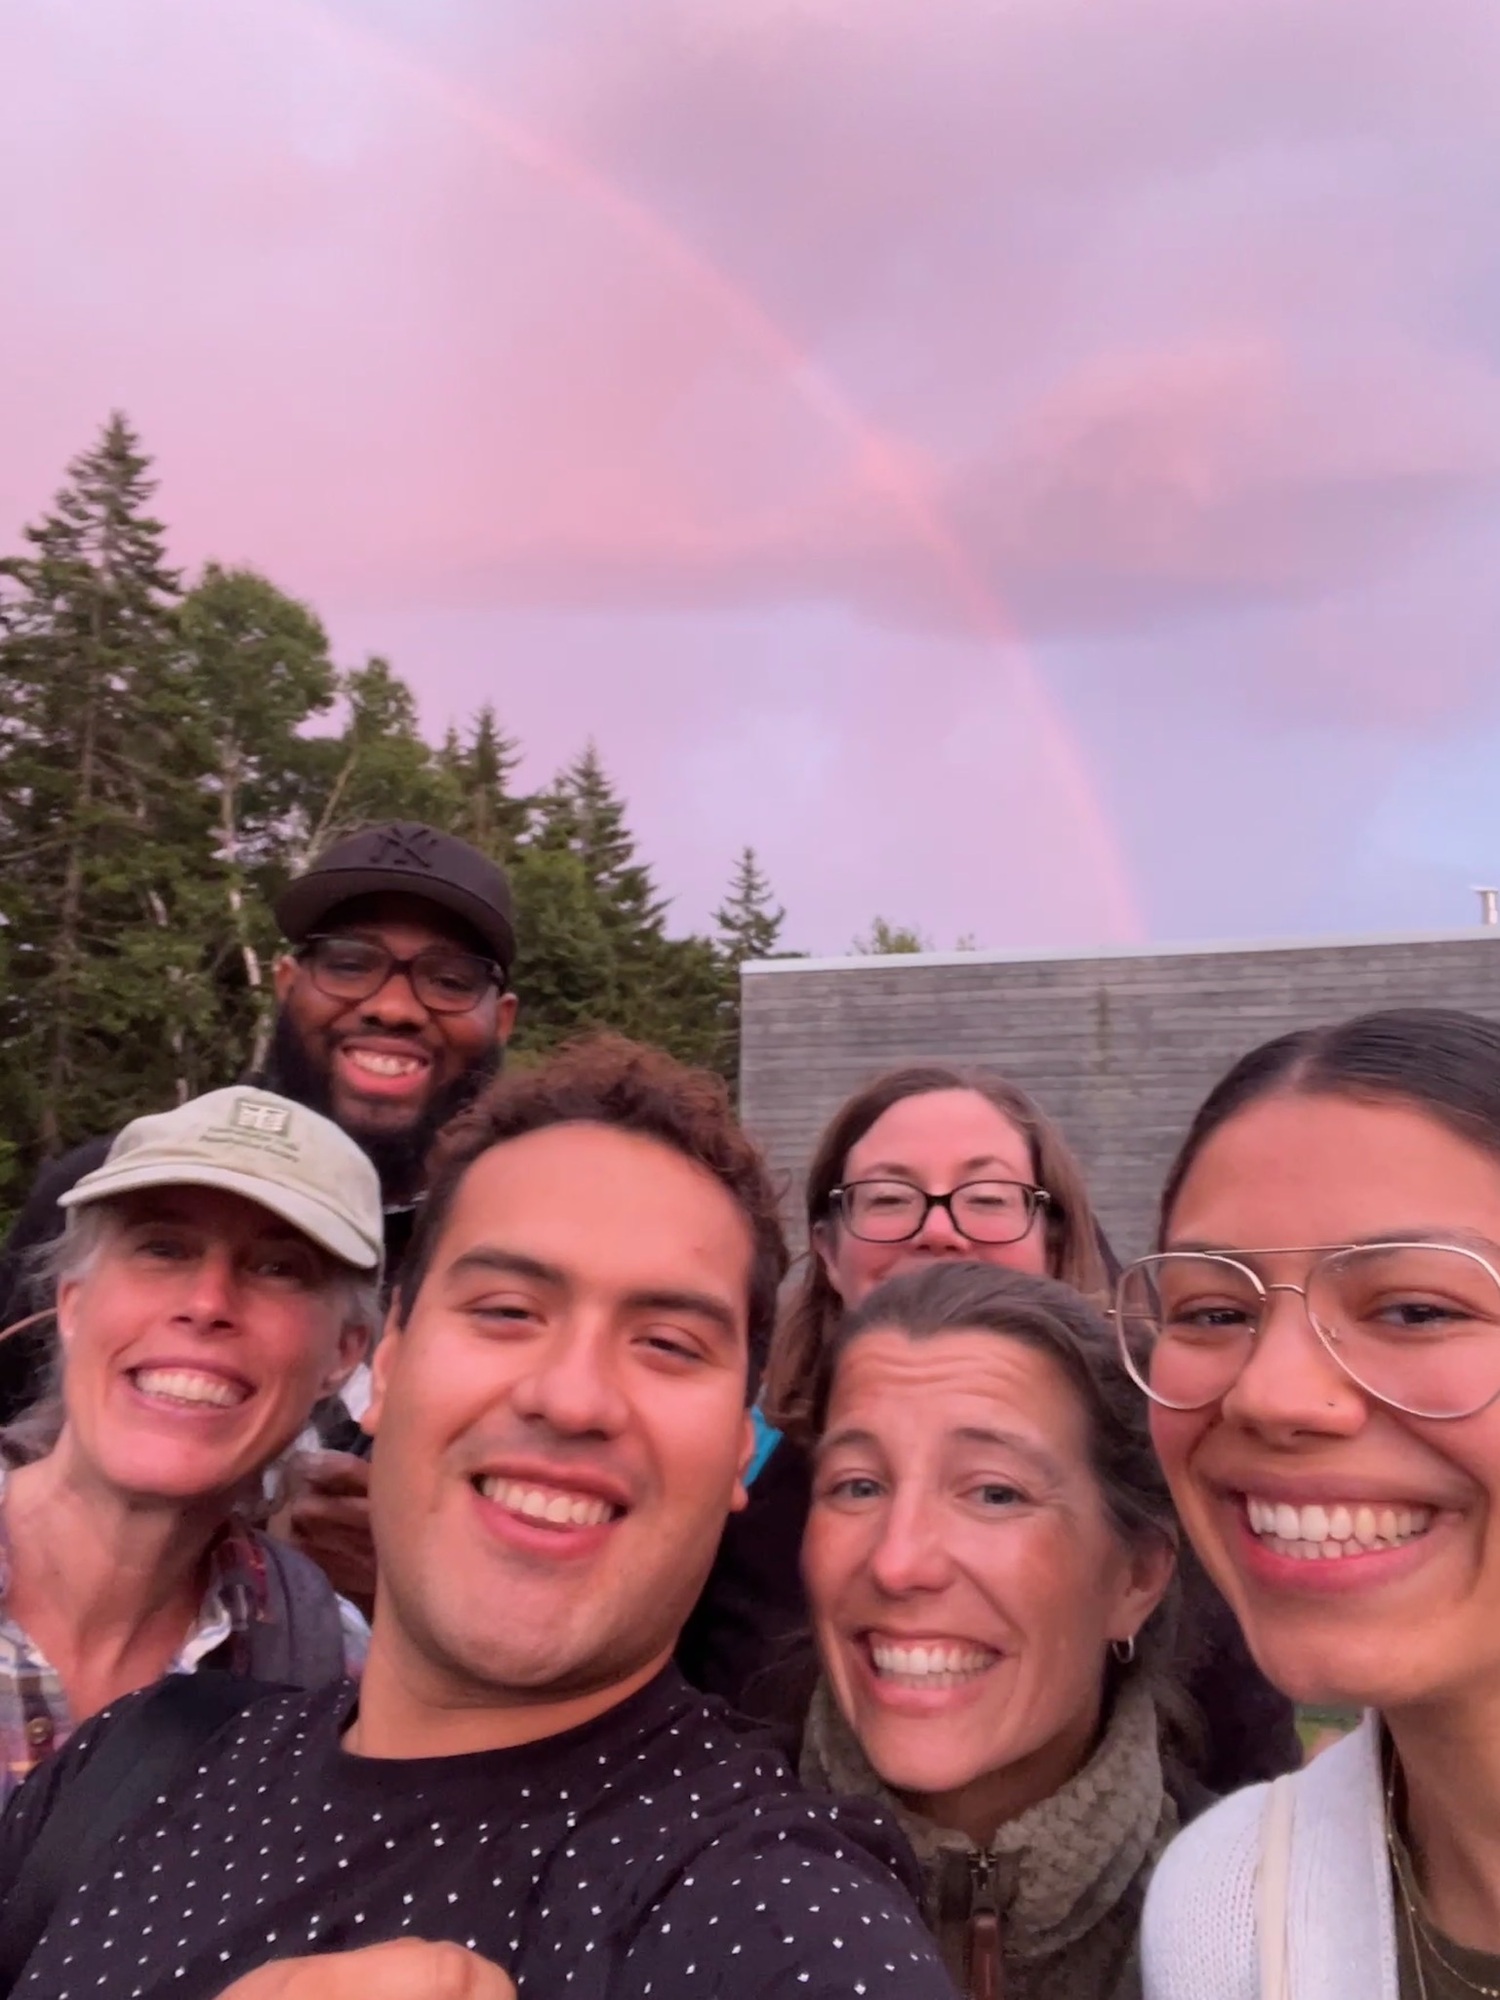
(1119, 1046)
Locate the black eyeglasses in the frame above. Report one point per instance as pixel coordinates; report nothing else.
(444, 979)
(896, 1211)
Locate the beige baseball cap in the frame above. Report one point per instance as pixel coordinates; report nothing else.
(278, 1154)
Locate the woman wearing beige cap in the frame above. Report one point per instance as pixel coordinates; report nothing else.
(218, 1276)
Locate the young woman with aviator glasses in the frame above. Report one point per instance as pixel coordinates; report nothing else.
(1319, 1335)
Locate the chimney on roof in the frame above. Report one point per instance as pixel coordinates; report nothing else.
(1489, 906)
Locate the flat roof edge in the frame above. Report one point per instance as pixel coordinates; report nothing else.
(865, 962)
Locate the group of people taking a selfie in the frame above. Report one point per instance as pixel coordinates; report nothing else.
(446, 1551)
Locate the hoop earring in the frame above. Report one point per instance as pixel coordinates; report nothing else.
(1123, 1649)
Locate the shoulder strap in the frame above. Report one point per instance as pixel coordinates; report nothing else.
(148, 1751)
(300, 1640)
(1272, 1889)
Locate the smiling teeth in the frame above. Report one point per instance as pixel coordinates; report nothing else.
(1350, 1528)
(180, 1385)
(559, 1510)
(943, 1666)
(383, 1065)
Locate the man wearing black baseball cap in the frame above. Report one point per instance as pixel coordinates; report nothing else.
(393, 1008)
(393, 1003)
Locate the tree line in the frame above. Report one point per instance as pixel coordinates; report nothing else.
(171, 751)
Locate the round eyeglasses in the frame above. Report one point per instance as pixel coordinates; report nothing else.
(444, 979)
(896, 1211)
(1417, 1325)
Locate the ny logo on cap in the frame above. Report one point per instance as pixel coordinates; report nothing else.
(405, 847)
(252, 1116)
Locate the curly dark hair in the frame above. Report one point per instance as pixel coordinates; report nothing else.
(605, 1079)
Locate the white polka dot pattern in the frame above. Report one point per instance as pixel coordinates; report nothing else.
(656, 1851)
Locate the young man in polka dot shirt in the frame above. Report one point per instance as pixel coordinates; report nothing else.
(561, 1429)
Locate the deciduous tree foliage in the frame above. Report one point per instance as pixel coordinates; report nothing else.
(885, 939)
(171, 754)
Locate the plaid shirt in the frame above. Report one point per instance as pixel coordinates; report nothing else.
(34, 1715)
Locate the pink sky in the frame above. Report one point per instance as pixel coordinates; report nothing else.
(1036, 479)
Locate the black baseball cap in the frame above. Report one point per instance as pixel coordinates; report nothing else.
(404, 858)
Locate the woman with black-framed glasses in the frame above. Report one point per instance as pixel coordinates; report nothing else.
(922, 1165)
(1319, 1335)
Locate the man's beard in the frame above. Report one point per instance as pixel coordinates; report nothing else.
(399, 1158)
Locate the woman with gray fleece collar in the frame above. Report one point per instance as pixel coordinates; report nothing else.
(989, 1560)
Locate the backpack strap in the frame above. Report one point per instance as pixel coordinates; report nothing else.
(1273, 1878)
(146, 1753)
(299, 1641)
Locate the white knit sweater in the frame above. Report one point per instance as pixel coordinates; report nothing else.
(1198, 1936)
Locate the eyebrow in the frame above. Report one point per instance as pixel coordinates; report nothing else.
(1425, 1232)
(665, 1298)
(843, 1440)
(1023, 1447)
(852, 1437)
(883, 1169)
(702, 1305)
(506, 1264)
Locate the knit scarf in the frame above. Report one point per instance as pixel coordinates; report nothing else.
(1069, 1874)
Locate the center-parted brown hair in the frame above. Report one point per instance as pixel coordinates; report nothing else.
(607, 1080)
(1053, 1320)
(814, 1309)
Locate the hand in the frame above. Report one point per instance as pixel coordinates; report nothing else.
(327, 1517)
(408, 1969)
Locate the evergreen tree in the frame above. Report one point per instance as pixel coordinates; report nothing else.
(587, 815)
(491, 814)
(162, 773)
(565, 967)
(98, 808)
(695, 1005)
(749, 923)
(749, 920)
(582, 815)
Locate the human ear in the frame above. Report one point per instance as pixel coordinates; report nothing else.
(387, 1353)
(1147, 1573)
(354, 1344)
(741, 1499)
(67, 1295)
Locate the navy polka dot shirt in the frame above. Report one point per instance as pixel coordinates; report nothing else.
(659, 1850)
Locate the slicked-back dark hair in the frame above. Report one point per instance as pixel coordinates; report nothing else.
(607, 1080)
(1434, 1059)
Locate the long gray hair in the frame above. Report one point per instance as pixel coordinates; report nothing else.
(85, 1235)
